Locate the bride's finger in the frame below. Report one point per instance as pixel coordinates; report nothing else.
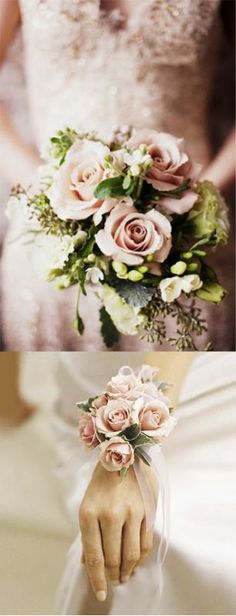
(82, 558)
(130, 547)
(92, 544)
(146, 541)
(111, 540)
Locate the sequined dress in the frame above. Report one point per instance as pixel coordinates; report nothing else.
(86, 68)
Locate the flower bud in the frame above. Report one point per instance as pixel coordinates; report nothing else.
(134, 276)
(199, 253)
(119, 268)
(192, 267)
(186, 255)
(178, 268)
(149, 258)
(91, 258)
(211, 292)
(142, 269)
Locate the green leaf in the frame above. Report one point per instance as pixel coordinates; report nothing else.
(135, 294)
(207, 273)
(131, 433)
(139, 454)
(108, 330)
(143, 439)
(112, 187)
(79, 324)
(86, 406)
(123, 472)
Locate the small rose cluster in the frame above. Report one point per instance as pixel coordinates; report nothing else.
(128, 218)
(131, 414)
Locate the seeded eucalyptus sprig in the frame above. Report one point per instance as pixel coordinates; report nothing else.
(189, 323)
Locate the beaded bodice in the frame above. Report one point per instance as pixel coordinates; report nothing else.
(88, 69)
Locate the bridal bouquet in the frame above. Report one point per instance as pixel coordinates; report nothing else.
(130, 219)
(132, 414)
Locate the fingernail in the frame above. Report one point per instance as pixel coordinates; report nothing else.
(101, 595)
(125, 579)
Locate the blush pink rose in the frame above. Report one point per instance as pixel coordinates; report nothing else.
(72, 193)
(121, 385)
(171, 167)
(117, 415)
(87, 430)
(116, 454)
(155, 419)
(130, 236)
(99, 401)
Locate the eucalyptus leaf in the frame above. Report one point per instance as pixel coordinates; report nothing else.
(135, 294)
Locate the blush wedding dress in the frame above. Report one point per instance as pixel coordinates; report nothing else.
(200, 454)
(85, 67)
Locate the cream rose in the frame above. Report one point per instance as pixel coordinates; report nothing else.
(171, 167)
(155, 419)
(129, 236)
(87, 430)
(121, 385)
(115, 416)
(72, 193)
(116, 454)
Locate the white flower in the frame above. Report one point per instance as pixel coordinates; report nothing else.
(126, 318)
(136, 159)
(191, 282)
(94, 275)
(17, 209)
(51, 252)
(170, 288)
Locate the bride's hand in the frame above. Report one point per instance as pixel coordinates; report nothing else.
(113, 528)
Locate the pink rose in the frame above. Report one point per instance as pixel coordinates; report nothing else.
(171, 167)
(129, 236)
(155, 418)
(72, 194)
(87, 430)
(121, 385)
(114, 417)
(99, 401)
(116, 454)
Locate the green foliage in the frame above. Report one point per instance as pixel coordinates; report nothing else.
(136, 295)
(61, 143)
(131, 433)
(112, 187)
(189, 323)
(108, 330)
(143, 439)
(48, 220)
(86, 406)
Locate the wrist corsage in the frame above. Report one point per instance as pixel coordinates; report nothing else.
(131, 415)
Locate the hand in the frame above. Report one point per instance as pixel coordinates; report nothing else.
(113, 527)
